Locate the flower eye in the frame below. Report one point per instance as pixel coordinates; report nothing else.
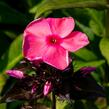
(53, 40)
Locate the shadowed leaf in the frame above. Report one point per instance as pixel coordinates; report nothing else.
(21, 90)
(104, 47)
(81, 86)
(47, 5)
(12, 56)
(9, 15)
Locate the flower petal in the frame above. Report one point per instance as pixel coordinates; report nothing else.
(39, 28)
(75, 41)
(61, 26)
(57, 57)
(33, 47)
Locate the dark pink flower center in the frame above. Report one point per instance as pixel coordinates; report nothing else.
(53, 40)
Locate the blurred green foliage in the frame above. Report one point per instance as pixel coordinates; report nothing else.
(90, 17)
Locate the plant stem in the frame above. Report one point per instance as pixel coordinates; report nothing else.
(53, 100)
(33, 103)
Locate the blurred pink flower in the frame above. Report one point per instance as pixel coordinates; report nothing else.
(34, 88)
(15, 73)
(47, 88)
(50, 39)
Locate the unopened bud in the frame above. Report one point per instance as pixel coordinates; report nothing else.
(15, 73)
(47, 88)
(34, 87)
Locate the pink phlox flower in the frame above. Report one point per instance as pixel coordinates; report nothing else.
(50, 39)
(47, 88)
(15, 73)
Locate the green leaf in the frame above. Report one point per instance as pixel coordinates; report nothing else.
(104, 47)
(3, 106)
(9, 15)
(47, 5)
(86, 54)
(86, 30)
(61, 105)
(78, 104)
(2, 81)
(79, 64)
(12, 56)
(102, 104)
(95, 24)
(15, 105)
(96, 28)
(10, 34)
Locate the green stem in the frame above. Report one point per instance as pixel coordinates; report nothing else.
(53, 100)
(33, 103)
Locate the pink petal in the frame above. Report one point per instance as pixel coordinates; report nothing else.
(15, 73)
(39, 28)
(57, 57)
(75, 41)
(33, 47)
(61, 26)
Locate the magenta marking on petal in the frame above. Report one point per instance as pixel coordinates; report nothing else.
(53, 40)
(15, 73)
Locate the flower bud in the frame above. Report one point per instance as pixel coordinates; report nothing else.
(15, 73)
(34, 87)
(87, 70)
(47, 88)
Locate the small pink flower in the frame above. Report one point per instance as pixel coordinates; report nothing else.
(47, 88)
(50, 40)
(15, 73)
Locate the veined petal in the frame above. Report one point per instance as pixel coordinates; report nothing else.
(61, 26)
(33, 47)
(57, 57)
(38, 27)
(75, 41)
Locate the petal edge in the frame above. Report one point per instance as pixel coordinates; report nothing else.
(75, 41)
